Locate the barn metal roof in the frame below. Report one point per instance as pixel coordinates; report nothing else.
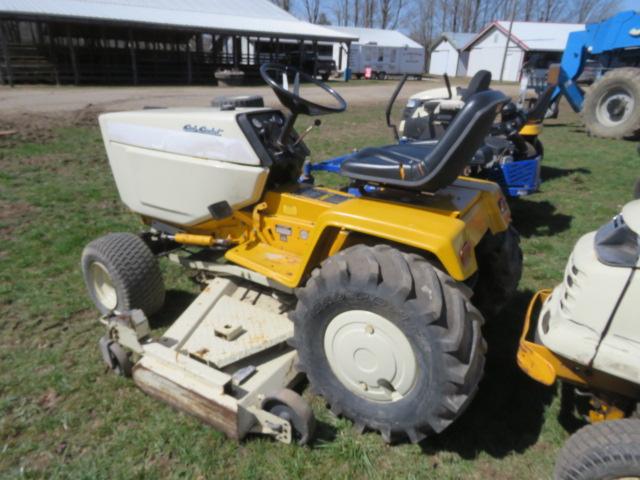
(383, 38)
(457, 39)
(249, 17)
(540, 36)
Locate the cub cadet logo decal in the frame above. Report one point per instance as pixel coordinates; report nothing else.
(207, 131)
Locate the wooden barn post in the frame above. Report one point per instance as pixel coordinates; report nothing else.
(72, 55)
(132, 52)
(5, 53)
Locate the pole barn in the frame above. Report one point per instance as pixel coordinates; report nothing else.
(148, 41)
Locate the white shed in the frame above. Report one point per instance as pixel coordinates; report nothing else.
(487, 49)
(448, 56)
(384, 51)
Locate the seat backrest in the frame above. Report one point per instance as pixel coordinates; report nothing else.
(461, 140)
(480, 82)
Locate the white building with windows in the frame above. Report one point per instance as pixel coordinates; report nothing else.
(385, 52)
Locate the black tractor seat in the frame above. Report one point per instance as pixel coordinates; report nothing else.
(432, 165)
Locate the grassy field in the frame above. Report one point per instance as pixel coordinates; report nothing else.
(63, 415)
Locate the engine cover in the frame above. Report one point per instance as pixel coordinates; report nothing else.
(171, 164)
(591, 317)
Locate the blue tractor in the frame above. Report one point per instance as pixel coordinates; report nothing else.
(611, 107)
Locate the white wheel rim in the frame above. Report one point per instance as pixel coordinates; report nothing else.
(370, 356)
(103, 285)
(615, 107)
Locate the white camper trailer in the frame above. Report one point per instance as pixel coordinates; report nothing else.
(385, 52)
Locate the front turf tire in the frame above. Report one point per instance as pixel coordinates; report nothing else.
(121, 274)
(426, 328)
(605, 450)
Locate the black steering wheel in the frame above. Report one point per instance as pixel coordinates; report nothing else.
(285, 82)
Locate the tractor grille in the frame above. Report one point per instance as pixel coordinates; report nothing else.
(570, 287)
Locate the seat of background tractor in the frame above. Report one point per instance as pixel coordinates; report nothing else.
(432, 165)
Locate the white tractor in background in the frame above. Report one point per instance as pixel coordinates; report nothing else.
(587, 334)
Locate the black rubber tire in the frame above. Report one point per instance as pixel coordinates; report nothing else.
(538, 147)
(627, 78)
(499, 260)
(429, 307)
(636, 189)
(605, 450)
(133, 269)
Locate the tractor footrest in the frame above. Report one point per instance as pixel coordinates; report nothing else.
(230, 321)
(234, 329)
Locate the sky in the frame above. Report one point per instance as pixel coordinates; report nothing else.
(299, 10)
(630, 5)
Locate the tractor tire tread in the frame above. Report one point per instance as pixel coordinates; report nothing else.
(631, 128)
(500, 269)
(411, 283)
(133, 266)
(602, 450)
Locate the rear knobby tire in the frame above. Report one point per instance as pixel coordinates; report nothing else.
(499, 271)
(121, 273)
(624, 81)
(605, 450)
(424, 309)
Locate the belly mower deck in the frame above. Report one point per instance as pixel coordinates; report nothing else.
(224, 360)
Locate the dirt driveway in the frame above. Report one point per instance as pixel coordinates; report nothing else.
(51, 100)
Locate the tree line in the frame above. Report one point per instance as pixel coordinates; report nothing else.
(425, 20)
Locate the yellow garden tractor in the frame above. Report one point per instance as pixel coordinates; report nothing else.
(377, 297)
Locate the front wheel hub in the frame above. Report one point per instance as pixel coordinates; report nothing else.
(615, 107)
(370, 356)
(103, 285)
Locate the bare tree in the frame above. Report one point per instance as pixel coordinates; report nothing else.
(391, 13)
(528, 9)
(356, 13)
(603, 10)
(584, 9)
(342, 12)
(369, 13)
(284, 4)
(444, 11)
(424, 24)
(312, 8)
(323, 20)
(549, 10)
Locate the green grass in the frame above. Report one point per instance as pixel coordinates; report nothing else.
(62, 415)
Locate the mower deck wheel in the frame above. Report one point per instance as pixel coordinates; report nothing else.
(116, 357)
(290, 406)
(122, 274)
